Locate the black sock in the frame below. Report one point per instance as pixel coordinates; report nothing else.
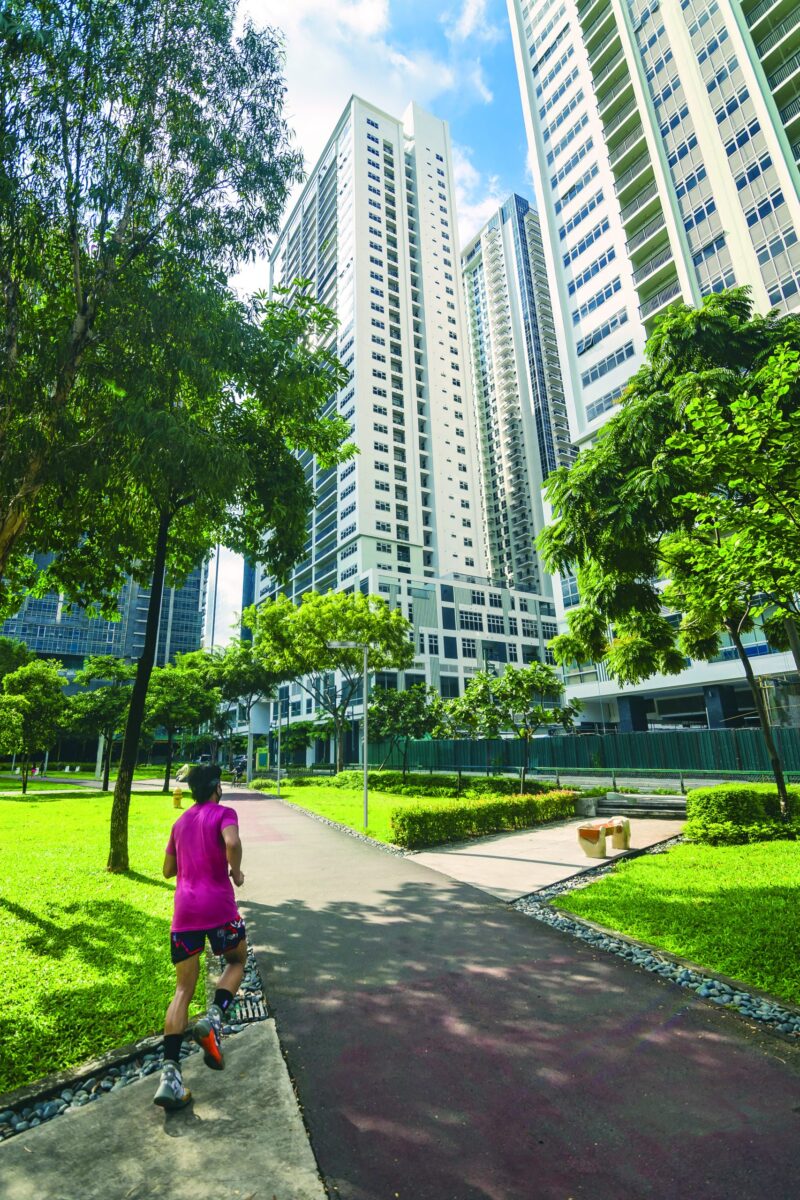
(172, 1047)
(223, 999)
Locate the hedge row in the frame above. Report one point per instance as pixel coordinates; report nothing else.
(732, 814)
(418, 784)
(431, 824)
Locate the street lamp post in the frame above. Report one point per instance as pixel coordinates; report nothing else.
(364, 688)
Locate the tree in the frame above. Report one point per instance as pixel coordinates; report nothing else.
(140, 140)
(395, 715)
(653, 518)
(522, 699)
(296, 642)
(13, 654)
(38, 685)
(178, 699)
(245, 680)
(102, 711)
(233, 478)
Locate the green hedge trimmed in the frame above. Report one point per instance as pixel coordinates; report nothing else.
(444, 786)
(431, 824)
(732, 814)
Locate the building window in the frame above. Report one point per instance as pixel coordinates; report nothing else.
(470, 620)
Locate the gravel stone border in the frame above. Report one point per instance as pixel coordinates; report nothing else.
(83, 1086)
(767, 1011)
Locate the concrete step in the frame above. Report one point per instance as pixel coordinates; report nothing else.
(629, 805)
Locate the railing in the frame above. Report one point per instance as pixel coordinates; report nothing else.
(796, 151)
(645, 233)
(641, 162)
(601, 46)
(595, 25)
(639, 202)
(759, 11)
(777, 35)
(610, 66)
(791, 110)
(617, 90)
(619, 118)
(652, 264)
(663, 297)
(784, 72)
(619, 151)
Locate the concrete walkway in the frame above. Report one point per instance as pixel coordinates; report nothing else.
(510, 865)
(445, 1047)
(242, 1136)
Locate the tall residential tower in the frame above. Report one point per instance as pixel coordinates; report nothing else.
(663, 143)
(518, 393)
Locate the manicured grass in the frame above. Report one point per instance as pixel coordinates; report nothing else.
(732, 909)
(86, 954)
(347, 807)
(13, 788)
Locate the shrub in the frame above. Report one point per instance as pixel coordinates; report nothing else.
(735, 813)
(448, 821)
(418, 784)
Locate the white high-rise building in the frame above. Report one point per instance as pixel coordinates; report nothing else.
(664, 140)
(375, 231)
(519, 399)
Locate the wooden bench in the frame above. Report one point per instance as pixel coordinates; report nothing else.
(592, 838)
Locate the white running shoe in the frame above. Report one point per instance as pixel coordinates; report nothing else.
(171, 1093)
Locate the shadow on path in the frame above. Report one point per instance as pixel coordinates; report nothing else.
(447, 1048)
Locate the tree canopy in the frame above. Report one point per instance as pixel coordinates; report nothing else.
(178, 699)
(296, 641)
(103, 710)
(668, 512)
(36, 709)
(143, 144)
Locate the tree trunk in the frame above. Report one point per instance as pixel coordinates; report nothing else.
(763, 719)
(249, 775)
(109, 736)
(168, 768)
(118, 853)
(524, 771)
(794, 640)
(25, 775)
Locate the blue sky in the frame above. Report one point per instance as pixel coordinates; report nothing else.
(456, 59)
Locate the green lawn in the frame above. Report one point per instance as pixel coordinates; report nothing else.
(732, 909)
(347, 807)
(13, 787)
(86, 953)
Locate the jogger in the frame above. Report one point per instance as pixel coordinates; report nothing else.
(205, 853)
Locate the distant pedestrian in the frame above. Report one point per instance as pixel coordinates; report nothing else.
(205, 853)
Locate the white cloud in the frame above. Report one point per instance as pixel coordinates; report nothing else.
(477, 196)
(472, 21)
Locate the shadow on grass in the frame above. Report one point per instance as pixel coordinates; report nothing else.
(69, 1014)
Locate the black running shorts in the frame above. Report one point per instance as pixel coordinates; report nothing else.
(187, 944)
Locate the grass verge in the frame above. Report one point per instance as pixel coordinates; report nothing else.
(87, 953)
(731, 909)
(347, 807)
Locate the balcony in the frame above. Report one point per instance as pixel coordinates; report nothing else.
(597, 25)
(607, 71)
(643, 163)
(621, 151)
(618, 90)
(777, 37)
(796, 152)
(791, 111)
(660, 300)
(619, 119)
(784, 72)
(761, 10)
(645, 234)
(596, 55)
(653, 265)
(586, 10)
(639, 203)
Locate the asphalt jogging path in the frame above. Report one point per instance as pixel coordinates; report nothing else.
(446, 1047)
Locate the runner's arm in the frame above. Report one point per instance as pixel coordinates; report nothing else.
(233, 849)
(170, 866)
